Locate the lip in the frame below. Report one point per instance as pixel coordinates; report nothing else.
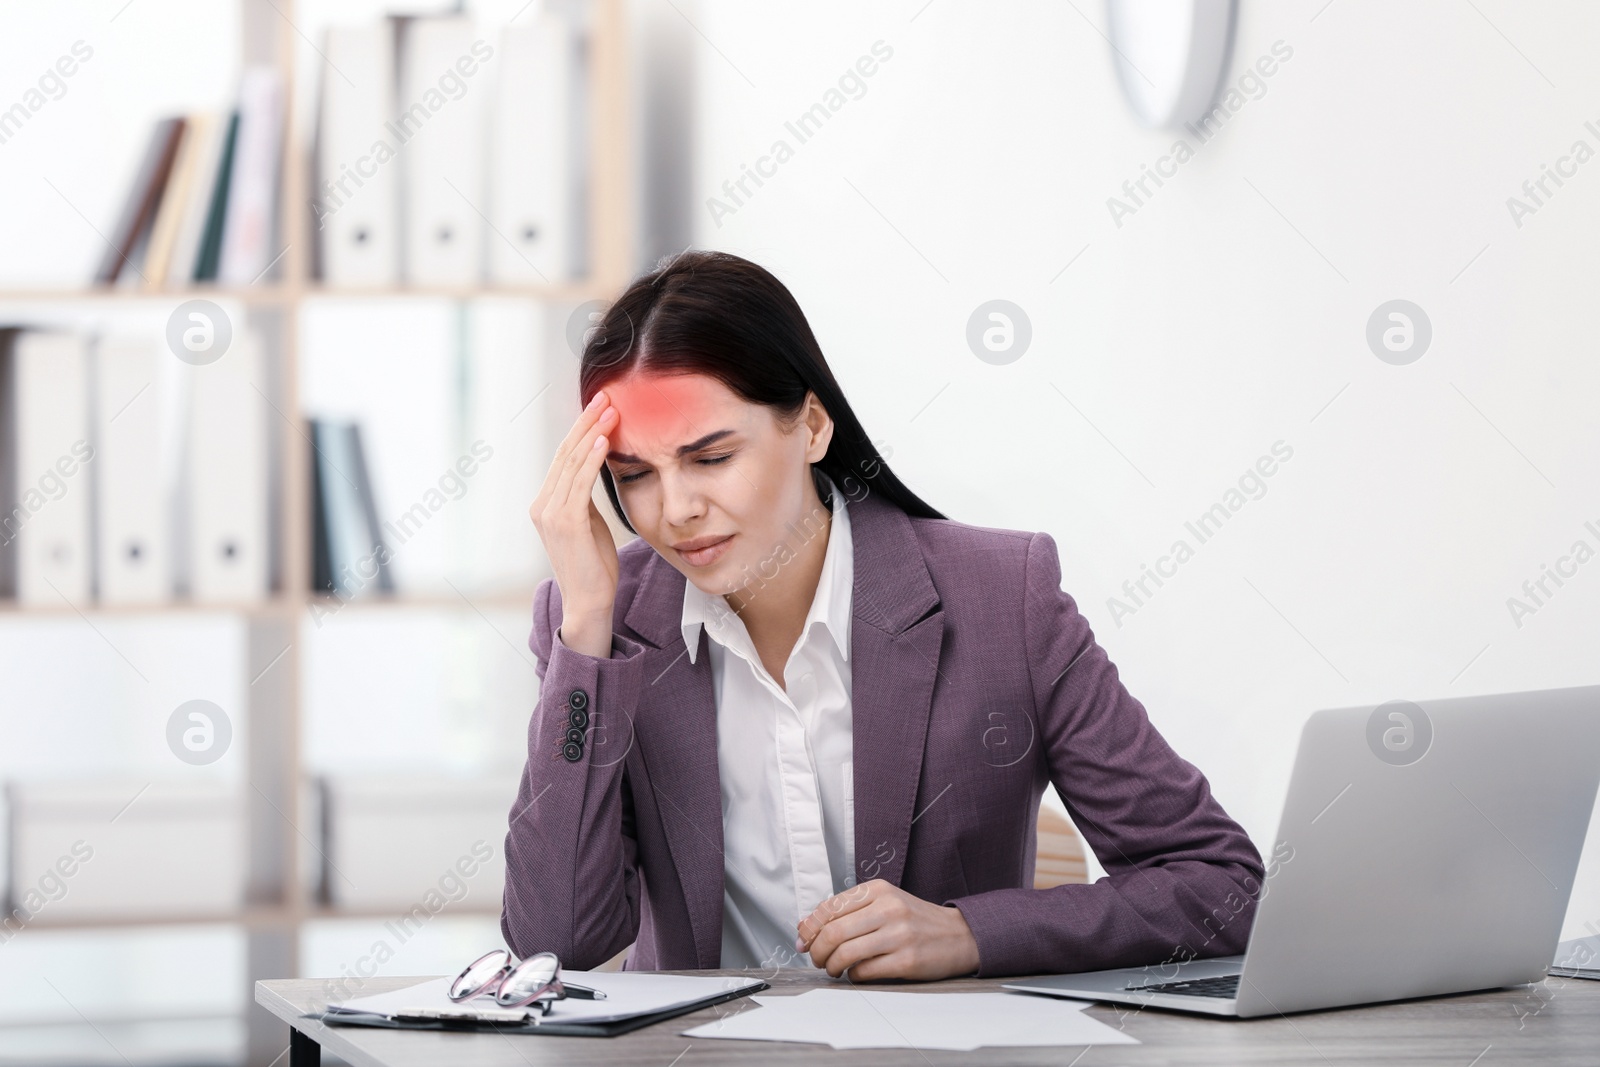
(703, 551)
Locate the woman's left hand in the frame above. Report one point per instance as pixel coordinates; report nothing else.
(878, 930)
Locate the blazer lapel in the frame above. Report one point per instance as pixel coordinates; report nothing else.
(678, 739)
(896, 634)
(897, 628)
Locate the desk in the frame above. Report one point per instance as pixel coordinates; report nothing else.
(1554, 1022)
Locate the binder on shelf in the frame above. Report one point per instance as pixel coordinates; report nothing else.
(132, 538)
(209, 135)
(349, 556)
(505, 438)
(125, 848)
(357, 210)
(45, 446)
(11, 515)
(247, 232)
(389, 839)
(226, 476)
(139, 207)
(442, 153)
(209, 254)
(535, 152)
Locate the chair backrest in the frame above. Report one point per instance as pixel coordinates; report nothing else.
(1061, 858)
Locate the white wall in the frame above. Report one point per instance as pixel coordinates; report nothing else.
(1222, 316)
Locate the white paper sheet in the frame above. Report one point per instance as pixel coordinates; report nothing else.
(628, 993)
(1578, 959)
(860, 1018)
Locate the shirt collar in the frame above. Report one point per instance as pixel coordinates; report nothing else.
(830, 606)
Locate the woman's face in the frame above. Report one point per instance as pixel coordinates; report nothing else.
(694, 462)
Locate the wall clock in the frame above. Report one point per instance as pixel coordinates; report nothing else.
(1169, 55)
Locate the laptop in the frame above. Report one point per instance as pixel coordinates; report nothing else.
(1424, 848)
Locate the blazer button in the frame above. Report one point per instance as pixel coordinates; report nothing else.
(575, 736)
(577, 700)
(579, 718)
(572, 751)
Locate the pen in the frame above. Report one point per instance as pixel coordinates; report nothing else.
(582, 992)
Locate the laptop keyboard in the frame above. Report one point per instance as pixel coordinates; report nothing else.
(1224, 985)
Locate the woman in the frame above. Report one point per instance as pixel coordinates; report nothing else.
(804, 719)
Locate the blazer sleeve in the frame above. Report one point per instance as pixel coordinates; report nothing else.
(572, 887)
(1182, 878)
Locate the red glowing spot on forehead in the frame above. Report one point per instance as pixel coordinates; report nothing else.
(657, 412)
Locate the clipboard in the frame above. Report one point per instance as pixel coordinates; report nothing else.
(493, 1020)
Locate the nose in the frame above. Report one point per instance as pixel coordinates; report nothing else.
(681, 503)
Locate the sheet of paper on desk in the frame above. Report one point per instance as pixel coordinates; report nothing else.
(1578, 959)
(861, 1018)
(628, 993)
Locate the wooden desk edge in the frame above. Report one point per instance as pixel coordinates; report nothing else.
(270, 994)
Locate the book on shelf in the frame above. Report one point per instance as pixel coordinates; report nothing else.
(348, 553)
(246, 251)
(210, 251)
(203, 205)
(210, 138)
(169, 214)
(139, 206)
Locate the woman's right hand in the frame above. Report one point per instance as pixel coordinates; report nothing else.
(582, 553)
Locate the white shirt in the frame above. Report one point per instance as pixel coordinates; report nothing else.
(785, 757)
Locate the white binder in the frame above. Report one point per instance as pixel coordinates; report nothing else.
(126, 847)
(445, 198)
(534, 153)
(46, 521)
(508, 434)
(358, 182)
(248, 235)
(227, 475)
(132, 539)
(390, 838)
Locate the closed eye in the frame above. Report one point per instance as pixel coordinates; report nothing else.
(709, 461)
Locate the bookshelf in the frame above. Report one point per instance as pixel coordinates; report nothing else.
(278, 900)
(273, 295)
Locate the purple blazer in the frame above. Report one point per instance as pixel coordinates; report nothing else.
(974, 682)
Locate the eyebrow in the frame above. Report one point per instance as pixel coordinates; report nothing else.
(683, 450)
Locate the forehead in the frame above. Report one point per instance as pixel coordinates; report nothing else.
(660, 412)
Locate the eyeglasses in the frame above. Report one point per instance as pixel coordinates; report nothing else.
(514, 984)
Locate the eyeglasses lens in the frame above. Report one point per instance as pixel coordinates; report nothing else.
(527, 980)
(480, 974)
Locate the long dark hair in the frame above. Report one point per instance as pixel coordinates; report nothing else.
(713, 313)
